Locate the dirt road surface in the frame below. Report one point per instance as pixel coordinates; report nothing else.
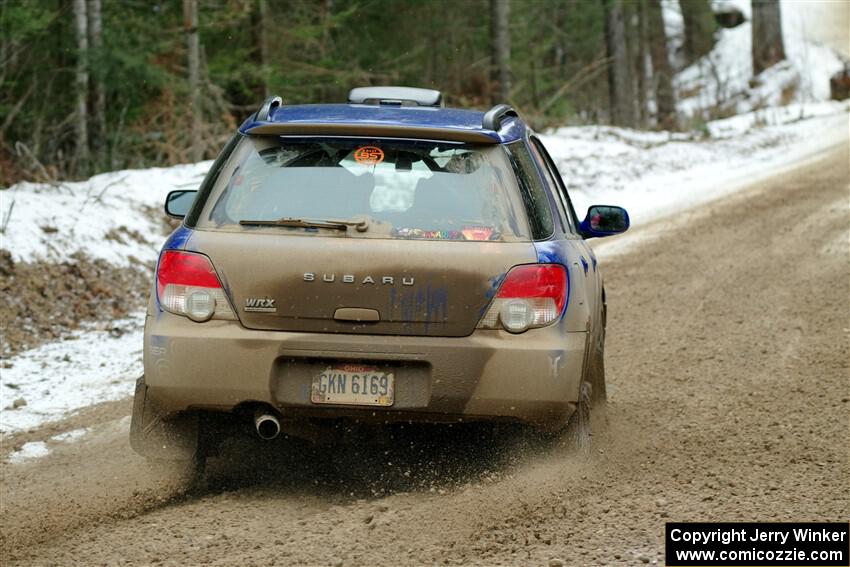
(727, 358)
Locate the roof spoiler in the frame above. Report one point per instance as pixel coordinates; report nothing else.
(493, 117)
(270, 104)
(395, 96)
(359, 129)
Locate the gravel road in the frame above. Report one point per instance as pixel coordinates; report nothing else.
(728, 360)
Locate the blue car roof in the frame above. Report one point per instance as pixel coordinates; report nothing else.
(384, 120)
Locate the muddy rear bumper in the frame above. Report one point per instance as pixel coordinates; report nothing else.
(532, 377)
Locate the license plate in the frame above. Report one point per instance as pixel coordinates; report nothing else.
(353, 384)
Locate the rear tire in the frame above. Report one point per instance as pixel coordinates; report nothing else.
(595, 375)
(592, 393)
(577, 433)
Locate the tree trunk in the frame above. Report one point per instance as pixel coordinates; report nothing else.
(621, 92)
(82, 84)
(699, 28)
(768, 48)
(325, 15)
(190, 26)
(265, 50)
(662, 72)
(5, 45)
(641, 61)
(99, 107)
(500, 49)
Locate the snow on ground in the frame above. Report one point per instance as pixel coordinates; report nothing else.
(653, 174)
(723, 79)
(650, 173)
(57, 378)
(31, 450)
(104, 216)
(69, 436)
(38, 449)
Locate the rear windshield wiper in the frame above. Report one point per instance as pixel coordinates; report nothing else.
(333, 224)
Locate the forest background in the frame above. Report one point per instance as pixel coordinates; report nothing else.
(88, 86)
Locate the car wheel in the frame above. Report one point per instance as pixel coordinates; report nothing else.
(595, 375)
(594, 372)
(593, 393)
(577, 433)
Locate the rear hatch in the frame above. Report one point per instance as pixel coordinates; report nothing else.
(442, 223)
(327, 284)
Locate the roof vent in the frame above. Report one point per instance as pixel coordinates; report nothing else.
(493, 117)
(395, 96)
(270, 104)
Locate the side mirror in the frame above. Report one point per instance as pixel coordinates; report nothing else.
(604, 220)
(178, 203)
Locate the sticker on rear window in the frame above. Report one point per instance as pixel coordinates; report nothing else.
(468, 233)
(369, 155)
(477, 232)
(429, 234)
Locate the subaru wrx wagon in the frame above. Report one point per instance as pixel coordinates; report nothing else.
(383, 260)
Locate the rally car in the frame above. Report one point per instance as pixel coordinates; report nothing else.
(384, 260)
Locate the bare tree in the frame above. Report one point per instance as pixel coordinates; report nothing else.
(768, 48)
(662, 72)
(99, 107)
(621, 90)
(500, 48)
(193, 44)
(82, 85)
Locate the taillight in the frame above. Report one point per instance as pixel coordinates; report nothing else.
(186, 284)
(531, 296)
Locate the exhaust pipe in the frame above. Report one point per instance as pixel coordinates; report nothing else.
(267, 424)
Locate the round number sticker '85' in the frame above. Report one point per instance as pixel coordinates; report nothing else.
(369, 155)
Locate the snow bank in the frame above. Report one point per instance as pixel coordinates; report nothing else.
(656, 173)
(107, 216)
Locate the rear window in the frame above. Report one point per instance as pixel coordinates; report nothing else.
(403, 189)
